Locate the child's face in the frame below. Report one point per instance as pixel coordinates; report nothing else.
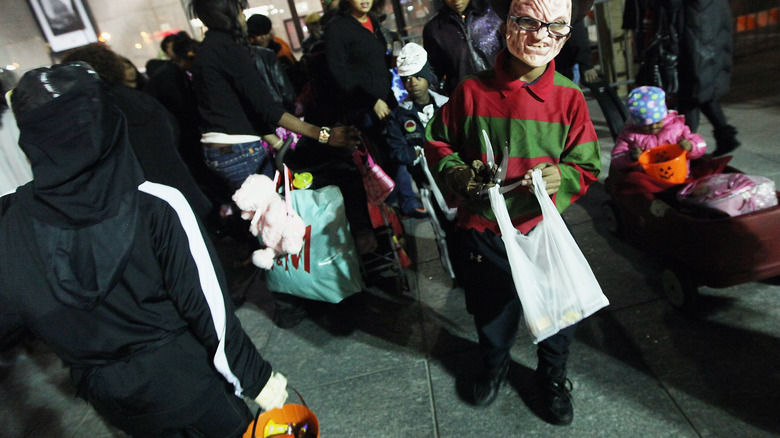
(653, 129)
(536, 48)
(416, 86)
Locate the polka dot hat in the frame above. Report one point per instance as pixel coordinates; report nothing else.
(646, 105)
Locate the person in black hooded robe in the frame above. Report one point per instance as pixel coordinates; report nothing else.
(113, 273)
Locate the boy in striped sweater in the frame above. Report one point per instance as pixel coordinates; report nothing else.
(543, 119)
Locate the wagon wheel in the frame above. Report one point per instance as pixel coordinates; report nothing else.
(681, 289)
(612, 217)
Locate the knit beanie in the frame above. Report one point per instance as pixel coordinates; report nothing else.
(646, 105)
(413, 61)
(258, 25)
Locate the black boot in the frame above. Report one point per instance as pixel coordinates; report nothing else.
(555, 390)
(725, 140)
(486, 387)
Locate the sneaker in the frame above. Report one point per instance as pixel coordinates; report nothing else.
(485, 389)
(555, 390)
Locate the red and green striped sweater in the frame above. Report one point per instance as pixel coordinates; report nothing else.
(543, 121)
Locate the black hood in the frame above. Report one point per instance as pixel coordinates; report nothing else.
(83, 196)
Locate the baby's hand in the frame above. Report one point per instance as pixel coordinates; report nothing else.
(634, 153)
(686, 145)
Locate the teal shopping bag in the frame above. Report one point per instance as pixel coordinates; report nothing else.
(326, 268)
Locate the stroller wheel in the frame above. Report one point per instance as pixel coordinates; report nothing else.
(681, 289)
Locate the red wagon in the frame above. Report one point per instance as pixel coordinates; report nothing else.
(696, 248)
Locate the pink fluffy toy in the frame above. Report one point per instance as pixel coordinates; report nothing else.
(281, 230)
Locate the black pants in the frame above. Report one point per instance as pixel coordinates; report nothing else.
(482, 269)
(711, 109)
(172, 391)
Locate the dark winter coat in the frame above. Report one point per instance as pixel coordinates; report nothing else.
(153, 135)
(232, 98)
(457, 47)
(358, 64)
(706, 50)
(275, 77)
(706, 47)
(113, 273)
(405, 130)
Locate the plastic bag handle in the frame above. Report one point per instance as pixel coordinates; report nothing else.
(287, 186)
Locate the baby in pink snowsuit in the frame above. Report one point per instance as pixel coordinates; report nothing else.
(651, 125)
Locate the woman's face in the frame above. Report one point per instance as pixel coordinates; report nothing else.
(360, 7)
(536, 48)
(457, 5)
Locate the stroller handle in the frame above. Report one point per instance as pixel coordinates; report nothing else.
(279, 158)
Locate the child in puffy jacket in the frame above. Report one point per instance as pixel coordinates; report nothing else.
(650, 125)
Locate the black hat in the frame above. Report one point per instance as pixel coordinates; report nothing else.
(258, 25)
(42, 85)
(579, 8)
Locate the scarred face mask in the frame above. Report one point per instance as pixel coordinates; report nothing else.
(536, 48)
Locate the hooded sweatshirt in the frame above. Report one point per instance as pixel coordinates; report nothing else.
(104, 267)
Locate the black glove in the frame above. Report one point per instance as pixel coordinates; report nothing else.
(470, 181)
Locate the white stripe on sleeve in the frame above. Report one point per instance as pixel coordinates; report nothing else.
(208, 278)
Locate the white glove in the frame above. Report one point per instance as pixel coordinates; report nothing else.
(274, 393)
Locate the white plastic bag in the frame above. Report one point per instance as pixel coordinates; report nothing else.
(554, 282)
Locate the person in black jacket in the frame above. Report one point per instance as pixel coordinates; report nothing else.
(235, 105)
(706, 63)
(351, 84)
(152, 129)
(705, 30)
(271, 70)
(171, 85)
(113, 273)
(358, 63)
(463, 38)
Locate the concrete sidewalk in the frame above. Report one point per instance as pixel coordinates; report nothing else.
(385, 364)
